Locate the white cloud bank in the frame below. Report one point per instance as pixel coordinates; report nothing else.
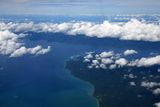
(10, 45)
(132, 30)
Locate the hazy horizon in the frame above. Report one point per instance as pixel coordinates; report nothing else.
(79, 7)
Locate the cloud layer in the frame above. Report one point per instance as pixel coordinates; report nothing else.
(132, 30)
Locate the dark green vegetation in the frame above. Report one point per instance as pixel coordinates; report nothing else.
(113, 88)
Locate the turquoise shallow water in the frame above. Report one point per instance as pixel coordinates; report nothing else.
(43, 81)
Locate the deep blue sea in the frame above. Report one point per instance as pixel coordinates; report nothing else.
(43, 81)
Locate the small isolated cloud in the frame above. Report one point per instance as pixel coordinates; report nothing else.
(132, 83)
(10, 45)
(121, 62)
(130, 52)
(112, 66)
(129, 76)
(156, 91)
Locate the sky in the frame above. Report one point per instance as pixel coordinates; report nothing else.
(79, 7)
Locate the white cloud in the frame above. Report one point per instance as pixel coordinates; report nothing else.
(106, 54)
(112, 66)
(90, 66)
(103, 66)
(150, 61)
(39, 50)
(156, 91)
(89, 56)
(10, 45)
(130, 52)
(149, 84)
(131, 76)
(114, 60)
(154, 87)
(95, 62)
(35, 51)
(132, 83)
(132, 30)
(121, 62)
(157, 104)
(8, 42)
(86, 60)
(106, 61)
(19, 52)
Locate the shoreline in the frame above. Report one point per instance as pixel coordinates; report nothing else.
(92, 87)
(111, 87)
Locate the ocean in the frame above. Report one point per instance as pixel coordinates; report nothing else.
(43, 81)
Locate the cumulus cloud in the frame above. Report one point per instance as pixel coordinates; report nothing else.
(149, 84)
(95, 63)
(106, 54)
(8, 42)
(112, 66)
(154, 87)
(35, 51)
(130, 52)
(132, 30)
(156, 91)
(157, 104)
(132, 83)
(10, 45)
(107, 61)
(150, 61)
(129, 76)
(113, 60)
(89, 56)
(121, 62)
